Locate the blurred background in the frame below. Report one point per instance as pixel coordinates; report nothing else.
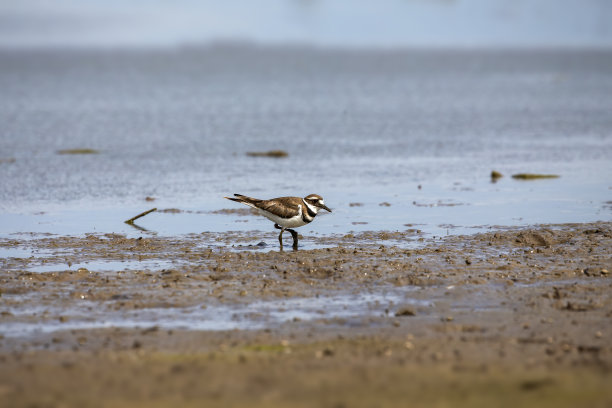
(395, 111)
(334, 23)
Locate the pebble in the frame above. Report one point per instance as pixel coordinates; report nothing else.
(437, 356)
(406, 311)
(327, 352)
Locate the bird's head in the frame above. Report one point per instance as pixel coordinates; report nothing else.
(316, 201)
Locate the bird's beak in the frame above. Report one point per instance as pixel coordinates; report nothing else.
(326, 208)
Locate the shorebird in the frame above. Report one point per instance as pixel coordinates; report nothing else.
(286, 212)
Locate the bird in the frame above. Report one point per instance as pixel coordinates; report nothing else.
(286, 212)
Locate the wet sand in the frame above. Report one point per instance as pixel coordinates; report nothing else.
(505, 318)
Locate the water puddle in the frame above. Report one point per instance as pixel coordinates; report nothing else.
(546, 283)
(267, 245)
(21, 252)
(251, 316)
(104, 265)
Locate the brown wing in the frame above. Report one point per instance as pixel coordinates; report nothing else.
(283, 206)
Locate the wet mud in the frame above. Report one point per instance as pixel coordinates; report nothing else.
(507, 317)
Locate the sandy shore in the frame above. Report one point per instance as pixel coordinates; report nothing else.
(505, 318)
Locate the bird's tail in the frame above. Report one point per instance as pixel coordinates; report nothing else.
(239, 198)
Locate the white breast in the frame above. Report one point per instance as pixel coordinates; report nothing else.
(293, 222)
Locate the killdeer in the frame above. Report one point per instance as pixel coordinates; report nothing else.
(286, 212)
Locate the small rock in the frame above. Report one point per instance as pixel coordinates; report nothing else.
(327, 352)
(405, 311)
(151, 329)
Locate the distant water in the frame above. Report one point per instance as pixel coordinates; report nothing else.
(337, 23)
(419, 130)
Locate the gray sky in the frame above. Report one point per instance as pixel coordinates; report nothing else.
(344, 23)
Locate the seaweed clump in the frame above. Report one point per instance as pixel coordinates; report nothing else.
(271, 153)
(78, 151)
(532, 176)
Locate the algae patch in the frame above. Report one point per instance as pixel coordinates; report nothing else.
(271, 153)
(78, 151)
(533, 176)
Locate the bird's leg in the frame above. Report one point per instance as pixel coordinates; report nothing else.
(280, 236)
(295, 239)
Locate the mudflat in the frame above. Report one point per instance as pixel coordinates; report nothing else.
(512, 317)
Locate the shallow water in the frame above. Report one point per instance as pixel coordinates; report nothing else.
(101, 265)
(394, 140)
(251, 316)
(420, 130)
